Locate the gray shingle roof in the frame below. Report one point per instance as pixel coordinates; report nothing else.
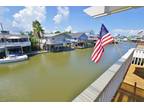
(75, 35)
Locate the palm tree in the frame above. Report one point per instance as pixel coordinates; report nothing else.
(37, 30)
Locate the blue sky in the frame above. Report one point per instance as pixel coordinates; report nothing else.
(18, 19)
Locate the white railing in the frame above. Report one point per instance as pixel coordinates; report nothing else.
(12, 44)
(105, 87)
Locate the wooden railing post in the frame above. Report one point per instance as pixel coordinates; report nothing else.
(135, 85)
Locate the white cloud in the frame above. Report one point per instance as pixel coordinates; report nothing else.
(23, 19)
(69, 28)
(62, 13)
(46, 30)
(127, 31)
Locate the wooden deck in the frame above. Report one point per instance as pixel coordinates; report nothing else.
(128, 91)
(140, 45)
(133, 76)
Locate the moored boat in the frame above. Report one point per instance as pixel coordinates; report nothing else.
(13, 58)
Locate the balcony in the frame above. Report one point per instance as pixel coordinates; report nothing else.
(14, 44)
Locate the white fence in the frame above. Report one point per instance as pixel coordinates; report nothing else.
(105, 87)
(138, 57)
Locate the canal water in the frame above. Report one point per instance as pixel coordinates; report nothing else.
(55, 76)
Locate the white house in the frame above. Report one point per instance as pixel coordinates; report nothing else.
(14, 44)
(56, 42)
(81, 40)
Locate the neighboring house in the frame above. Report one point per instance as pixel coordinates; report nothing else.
(66, 41)
(14, 44)
(56, 42)
(78, 37)
(79, 40)
(92, 39)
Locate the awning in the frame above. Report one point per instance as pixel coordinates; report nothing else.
(99, 11)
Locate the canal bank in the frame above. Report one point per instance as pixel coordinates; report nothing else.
(55, 76)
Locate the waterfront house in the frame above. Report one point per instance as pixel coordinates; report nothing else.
(92, 40)
(56, 42)
(79, 40)
(66, 41)
(13, 44)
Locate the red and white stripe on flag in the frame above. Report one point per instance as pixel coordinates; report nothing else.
(99, 47)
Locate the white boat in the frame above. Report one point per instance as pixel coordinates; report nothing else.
(13, 58)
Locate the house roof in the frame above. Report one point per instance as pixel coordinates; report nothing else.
(54, 34)
(76, 35)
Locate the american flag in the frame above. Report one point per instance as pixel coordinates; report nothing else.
(104, 38)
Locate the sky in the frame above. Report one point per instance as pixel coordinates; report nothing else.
(19, 18)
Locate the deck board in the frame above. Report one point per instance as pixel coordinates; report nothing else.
(126, 90)
(131, 77)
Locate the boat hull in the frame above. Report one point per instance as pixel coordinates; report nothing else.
(13, 59)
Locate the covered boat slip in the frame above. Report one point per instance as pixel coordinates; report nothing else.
(17, 50)
(12, 54)
(13, 47)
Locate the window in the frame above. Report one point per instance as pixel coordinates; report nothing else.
(23, 39)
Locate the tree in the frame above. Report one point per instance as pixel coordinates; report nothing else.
(37, 29)
(30, 33)
(22, 33)
(34, 41)
(67, 32)
(57, 32)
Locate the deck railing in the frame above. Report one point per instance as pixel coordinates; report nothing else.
(105, 87)
(12, 44)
